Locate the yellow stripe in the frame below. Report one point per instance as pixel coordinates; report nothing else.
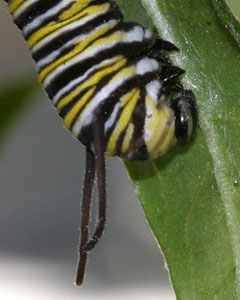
(98, 76)
(123, 75)
(13, 5)
(168, 142)
(116, 36)
(122, 123)
(127, 138)
(128, 97)
(53, 26)
(128, 135)
(74, 9)
(162, 136)
(158, 119)
(77, 107)
(93, 80)
(78, 49)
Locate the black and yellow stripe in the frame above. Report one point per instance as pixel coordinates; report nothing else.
(111, 83)
(88, 58)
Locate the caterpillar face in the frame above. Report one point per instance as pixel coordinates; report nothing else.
(164, 126)
(157, 133)
(185, 109)
(111, 82)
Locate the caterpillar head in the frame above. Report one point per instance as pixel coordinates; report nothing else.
(164, 127)
(157, 135)
(185, 110)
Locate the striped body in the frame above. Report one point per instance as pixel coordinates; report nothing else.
(94, 66)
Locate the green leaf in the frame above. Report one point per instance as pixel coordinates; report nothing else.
(230, 22)
(13, 99)
(191, 196)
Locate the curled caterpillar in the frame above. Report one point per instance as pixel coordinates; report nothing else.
(111, 82)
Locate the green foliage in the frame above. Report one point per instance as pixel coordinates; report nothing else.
(191, 196)
(228, 19)
(13, 99)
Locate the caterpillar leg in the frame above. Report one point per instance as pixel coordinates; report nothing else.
(160, 57)
(164, 45)
(94, 161)
(159, 45)
(169, 72)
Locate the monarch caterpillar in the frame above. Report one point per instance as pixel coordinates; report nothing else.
(112, 84)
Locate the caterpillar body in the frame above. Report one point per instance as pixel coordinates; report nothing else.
(112, 84)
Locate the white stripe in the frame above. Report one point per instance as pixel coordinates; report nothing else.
(147, 132)
(87, 115)
(78, 80)
(36, 22)
(129, 37)
(51, 57)
(148, 34)
(23, 7)
(153, 89)
(65, 28)
(147, 65)
(112, 118)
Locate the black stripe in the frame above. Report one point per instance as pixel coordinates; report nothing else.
(103, 82)
(100, 85)
(63, 112)
(56, 16)
(47, 20)
(138, 119)
(70, 34)
(139, 149)
(34, 10)
(75, 99)
(78, 69)
(105, 109)
(120, 141)
(129, 50)
(98, 2)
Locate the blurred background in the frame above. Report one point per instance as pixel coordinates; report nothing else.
(41, 173)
